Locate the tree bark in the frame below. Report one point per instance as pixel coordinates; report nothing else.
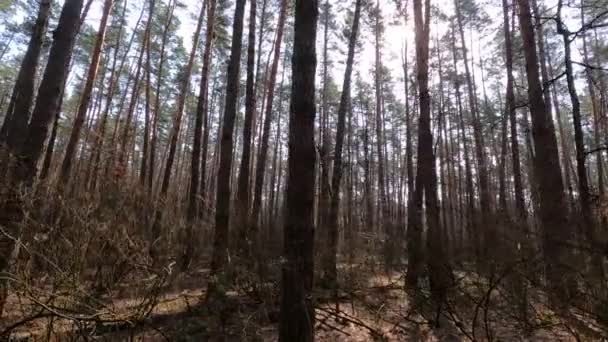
(330, 261)
(520, 205)
(49, 92)
(555, 229)
(145, 155)
(268, 118)
(197, 164)
(159, 81)
(426, 178)
(484, 198)
(66, 166)
(581, 168)
(246, 242)
(18, 114)
(297, 310)
(219, 258)
(181, 102)
(471, 224)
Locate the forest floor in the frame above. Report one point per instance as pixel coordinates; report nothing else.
(372, 306)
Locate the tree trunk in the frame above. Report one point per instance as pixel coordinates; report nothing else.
(197, 166)
(122, 151)
(246, 242)
(48, 154)
(426, 178)
(263, 155)
(384, 219)
(409, 164)
(66, 166)
(596, 106)
(145, 157)
(297, 309)
(471, 224)
(581, 168)
(18, 114)
(219, 258)
(49, 93)
(159, 81)
(181, 102)
(329, 262)
(484, 191)
(114, 78)
(520, 205)
(554, 222)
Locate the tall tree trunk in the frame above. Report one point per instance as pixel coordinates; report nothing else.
(325, 134)
(135, 92)
(441, 114)
(329, 262)
(114, 78)
(426, 178)
(18, 114)
(543, 57)
(66, 166)
(564, 138)
(197, 166)
(297, 309)
(246, 242)
(596, 106)
(384, 219)
(471, 224)
(219, 257)
(48, 154)
(181, 102)
(369, 206)
(277, 163)
(581, 168)
(484, 191)
(268, 118)
(409, 164)
(502, 165)
(49, 92)
(520, 205)
(159, 81)
(145, 170)
(602, 115)
(555, 229)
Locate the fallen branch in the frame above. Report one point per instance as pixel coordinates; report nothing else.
(348, 318)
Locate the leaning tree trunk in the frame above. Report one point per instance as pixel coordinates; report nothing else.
(145, 153)
(181, 102)
(85, 99)
(18, 114)
(49, 92)
(159, 84)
